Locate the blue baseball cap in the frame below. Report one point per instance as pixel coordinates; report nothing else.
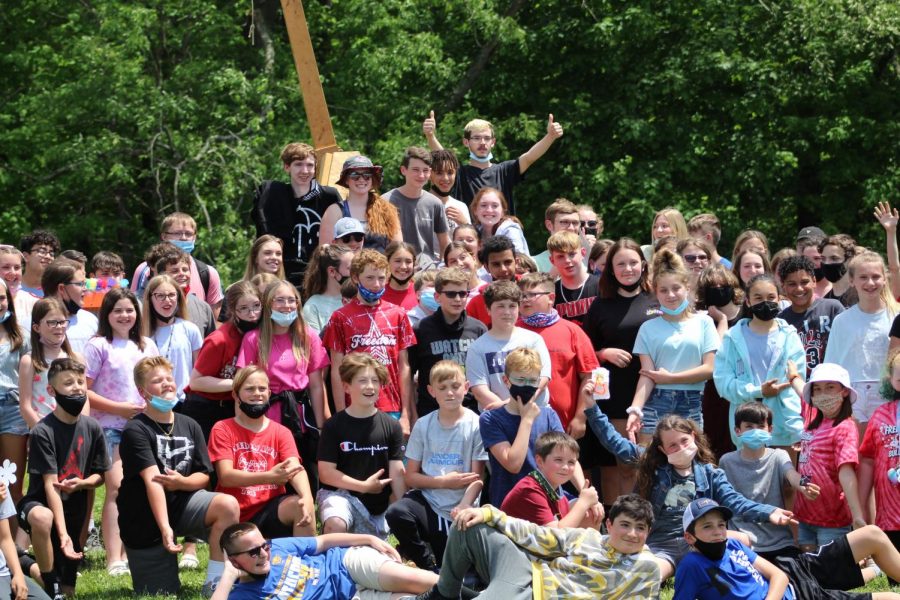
(700, 507)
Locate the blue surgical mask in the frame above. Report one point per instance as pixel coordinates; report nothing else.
(674, 312)
(284, 319)
(478, 159)
(184, 245)
(368, 296)
(755, 438)
(428, 301)
(163, 405)
(4, 316)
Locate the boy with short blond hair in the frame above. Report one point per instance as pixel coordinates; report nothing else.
(360, 454)
(561, 215)
(576, 288)
(445, 462)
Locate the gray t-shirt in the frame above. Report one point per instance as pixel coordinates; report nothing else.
(9, 363)
(486, 359)
(760, 481)
(420, 220)
(442, 450)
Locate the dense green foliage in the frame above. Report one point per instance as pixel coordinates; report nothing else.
(772, 114)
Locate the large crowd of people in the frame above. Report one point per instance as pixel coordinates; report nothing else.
(586, 419)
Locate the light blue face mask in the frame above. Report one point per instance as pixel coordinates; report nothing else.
(755, 438)
(674, 312)
(163, 405)
(486, 159)
(284, 319)
(183, 245)
(428, 300)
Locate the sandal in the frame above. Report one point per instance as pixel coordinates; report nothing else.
(188, 562)
(118, 568)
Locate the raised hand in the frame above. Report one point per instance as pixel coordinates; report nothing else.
(429, 125)
(554, 129)
(886, 216)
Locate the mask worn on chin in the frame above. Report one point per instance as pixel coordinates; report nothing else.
(163, 405)
(682, 459)
(5, 316)
(254, 411)
(834, 271)
(159, 317)
(818, 273)
(630, 287)
(258, 576)
(719, 296)
(246, 326)
(71, 306)
(523, 392)
(184, 245)
(829, 404)
(343, 279)
(766, 310)
(428, 301)
(73, 405)
(402, 281)
(478, 159)
(368, 296)
(674, 312)
(284, 319)
(712, 550)
(439, 192)
(755, 438)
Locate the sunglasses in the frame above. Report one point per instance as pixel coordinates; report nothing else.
(589, 224)
(354, 237)
(355, 175)
(692, 258)
(455, 293)
(255, 551)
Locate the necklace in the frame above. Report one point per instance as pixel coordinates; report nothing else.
(159, 426)
(562, 291)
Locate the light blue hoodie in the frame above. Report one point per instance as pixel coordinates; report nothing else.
(734, 380)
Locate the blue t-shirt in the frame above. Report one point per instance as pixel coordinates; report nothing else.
(677, 346)
(761, 348)
(500, 425)
(732, 578)
(298, 572)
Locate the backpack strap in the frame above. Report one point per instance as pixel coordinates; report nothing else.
(203, 272)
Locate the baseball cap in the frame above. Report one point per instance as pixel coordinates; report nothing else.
(346, 225)
(828, 372)
(812, 232)
(359, 163)
(700, 507)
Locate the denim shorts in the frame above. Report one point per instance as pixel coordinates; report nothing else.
(813, 535)
(684, 403)
(113, 439)
(11, 421)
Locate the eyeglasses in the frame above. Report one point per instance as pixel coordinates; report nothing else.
(54, 324)
(352, 237)
(568, 223)
(534, 295)
(356, 175)
(256, 550)
(589, 224)
(43, 252)
(285, 301)
(181, 235)
(165, 297)
(80, 284)
(525, 380)
(455, 293)
(478, 139)
(249, 310)
(692, 258)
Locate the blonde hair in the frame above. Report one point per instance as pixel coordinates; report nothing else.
(424, 278)
(675, 219)
(444, 370)
(867, 256)
(522, 360)
(355, 362)
(297, 329)
(177, 218)
(144, 366)
(564, 241)
(477, 125)
(241, 377)
(252, 269)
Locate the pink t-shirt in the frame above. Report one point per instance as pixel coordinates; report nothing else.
(822, 453)
(882, 445)
(111, 366)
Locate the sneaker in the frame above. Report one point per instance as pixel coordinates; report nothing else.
(118, 568)
(433, 594)
(189, 562)
(207, 589)
(94, 541)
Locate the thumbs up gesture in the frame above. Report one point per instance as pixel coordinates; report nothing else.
(554, 129)
(429, 125)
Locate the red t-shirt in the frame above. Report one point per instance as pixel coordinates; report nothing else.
(571, 354)
(822, 453)
(382, 331)
(218, 357)
(881, 444)
(527, 500)
(477, 309)
(254, 453)
(405, 299)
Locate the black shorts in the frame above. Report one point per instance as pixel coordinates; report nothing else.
(268, 522)
(66, 569)
(825, 574)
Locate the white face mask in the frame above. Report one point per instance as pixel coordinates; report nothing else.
(682, 459)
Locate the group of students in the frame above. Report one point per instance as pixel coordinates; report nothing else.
(387, 363)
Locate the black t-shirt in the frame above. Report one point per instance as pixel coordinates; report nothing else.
(77, 450)
(294, 220)
(847, 299)
(571, 304)
(359, 447)
(436, 340)
(145, 443)
(614, 323)
(503, 176)
(814, 326)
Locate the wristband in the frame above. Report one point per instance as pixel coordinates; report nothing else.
(634, 410)
(791, 379)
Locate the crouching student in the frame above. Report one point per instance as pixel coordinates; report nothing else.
(14, 581)
(360, 454)
(445, 462)
(335, 565)
(523, 561)
(538, 497)
(67, 457)
(723, 568)
(255, 457)
(163, 494)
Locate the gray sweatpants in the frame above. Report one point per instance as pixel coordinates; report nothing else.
(34, 590)
(496, 559)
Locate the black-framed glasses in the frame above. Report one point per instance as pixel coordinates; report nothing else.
(533, 295)
(54, 324)
(455, 293)
(692, 258)
(589, 224)
(352, 237)
(256, 550)
(355, 175)
(41, 251)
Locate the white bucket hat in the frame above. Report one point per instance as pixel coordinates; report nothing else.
(828, 372)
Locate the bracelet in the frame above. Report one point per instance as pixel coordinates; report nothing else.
(795, 376)
(634, 410)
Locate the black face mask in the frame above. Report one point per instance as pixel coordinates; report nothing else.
(254, 411)
(712, 550)
(819, 273)
(73, 405)
(523, 392)
(161, 318)
(630, 287)
(401, 281)
(440, 193)
(719, 296)
(71, 306)
(343, 279)
(765, 311)
(245, 326)
(834, 271)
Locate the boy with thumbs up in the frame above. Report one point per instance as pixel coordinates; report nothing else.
(479, 172)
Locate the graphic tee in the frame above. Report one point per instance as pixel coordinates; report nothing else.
(823, 451)
(732, 578)
(881, 444)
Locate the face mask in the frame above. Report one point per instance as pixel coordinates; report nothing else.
(829, 404)
(401, 281)
(541, 319)
(765, 311)
(4, 316)
(246, 326)
(712, 550)
(163, 405)
(834, 271)
(523, 392)
(755, 438)
(428, 301)
(73, 405)
(284, 319)
(438, 192)
(368, 296)
(590, 231)
(254, 411)
(674, 312)
(71, 306)
(683, 458)
(478, 159)
(630, 287)
(719, 296)
(342, 279)
(184, 245)
(159, 317)
(818, 273)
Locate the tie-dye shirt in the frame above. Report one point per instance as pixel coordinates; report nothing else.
(881, 444)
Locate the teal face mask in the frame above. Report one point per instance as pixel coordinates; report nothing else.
(284, 319)
(183, 245)
(755, 438)
(163, 405)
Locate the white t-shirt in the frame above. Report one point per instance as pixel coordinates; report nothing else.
(486, 360)
(177, 343)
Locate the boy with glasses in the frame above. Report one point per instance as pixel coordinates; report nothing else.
(38, 249)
